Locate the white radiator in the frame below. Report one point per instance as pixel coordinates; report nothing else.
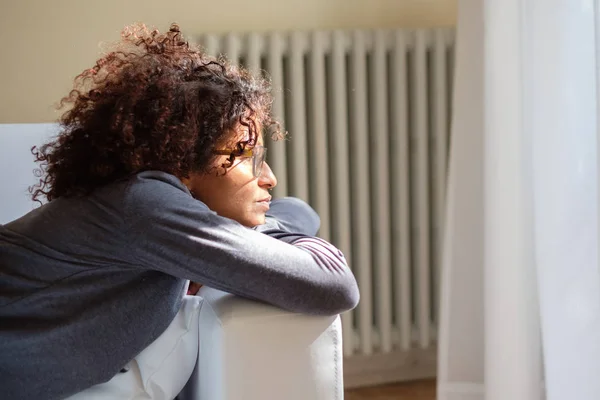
(367, 113)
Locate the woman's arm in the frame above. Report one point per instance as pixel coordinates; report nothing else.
(174, 233)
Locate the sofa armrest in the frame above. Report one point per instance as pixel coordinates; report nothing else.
(253, 351)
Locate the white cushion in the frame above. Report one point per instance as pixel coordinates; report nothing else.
(17, 165)
(161, 370)
(253, 351)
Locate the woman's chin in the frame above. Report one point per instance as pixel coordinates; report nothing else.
(255, 220)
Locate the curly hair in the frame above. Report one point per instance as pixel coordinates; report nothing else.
(155, 102)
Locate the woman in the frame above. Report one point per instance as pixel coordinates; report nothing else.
(157, 177)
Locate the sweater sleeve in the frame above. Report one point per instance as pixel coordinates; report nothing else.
(172, 232)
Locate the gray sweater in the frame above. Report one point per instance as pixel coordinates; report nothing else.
(87, 283)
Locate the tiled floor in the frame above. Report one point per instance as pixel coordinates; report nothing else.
(419, 390)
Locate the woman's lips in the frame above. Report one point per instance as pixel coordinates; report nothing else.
(265, 203)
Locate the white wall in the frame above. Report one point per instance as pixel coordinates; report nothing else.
(45, 44)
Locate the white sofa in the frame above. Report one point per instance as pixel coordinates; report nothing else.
(241, 350)
(222, 347)
(257, 352)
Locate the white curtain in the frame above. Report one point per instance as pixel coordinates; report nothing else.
(461, 336)
(521, 279)
(563, 128)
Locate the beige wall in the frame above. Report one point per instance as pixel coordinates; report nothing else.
(45, 43)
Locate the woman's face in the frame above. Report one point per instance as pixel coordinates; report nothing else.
(236, 194)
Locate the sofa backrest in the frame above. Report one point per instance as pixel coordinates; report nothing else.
(17, 166)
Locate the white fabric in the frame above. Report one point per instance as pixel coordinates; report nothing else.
(160, 371)
(253, 351)
(564, 134)
(461, 336)
(535, 206)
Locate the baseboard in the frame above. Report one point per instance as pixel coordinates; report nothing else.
(397, 366)
(461, 391)
(468, 391)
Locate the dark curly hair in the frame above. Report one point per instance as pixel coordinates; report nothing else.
(154, 102)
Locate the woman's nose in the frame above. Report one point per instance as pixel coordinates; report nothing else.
(267, 177)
